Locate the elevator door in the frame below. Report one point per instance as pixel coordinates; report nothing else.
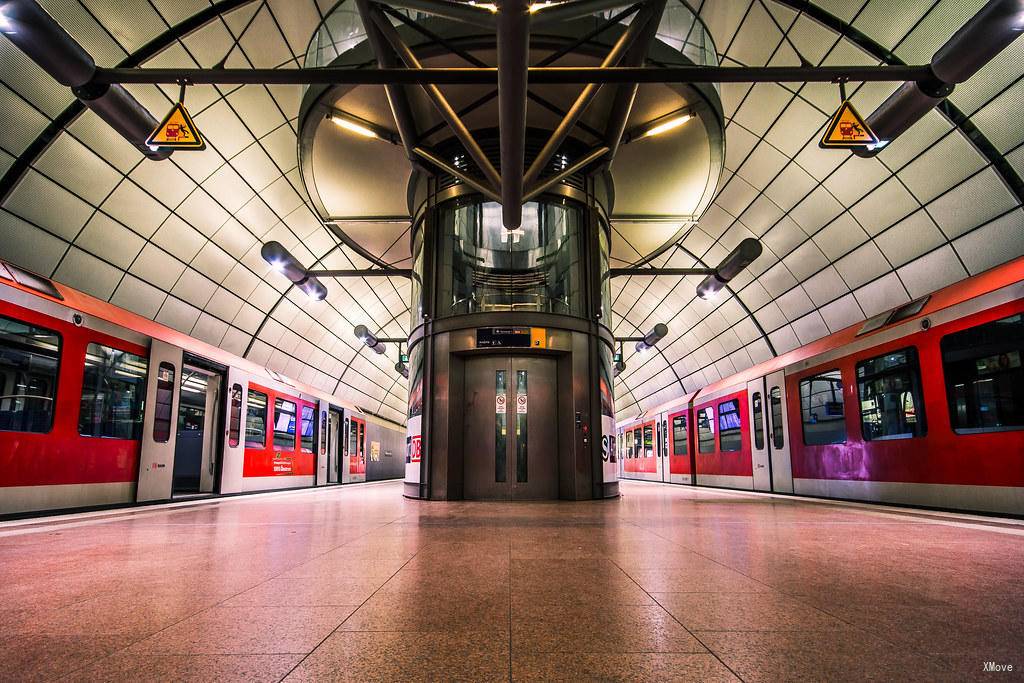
(510, 439)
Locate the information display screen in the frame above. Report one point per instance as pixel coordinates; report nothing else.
(503, 337)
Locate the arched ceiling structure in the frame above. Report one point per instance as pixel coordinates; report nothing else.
(178, 241)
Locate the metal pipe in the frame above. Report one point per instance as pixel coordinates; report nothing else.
(397, 99)
(124, 114)
(625, 95)
(584, 99)
(364, 272)
(451, 170)
(440, 102)
(455, 11)
(629, 272)
(548, 183)
(513, 50)
(568, 11)
(548, 75)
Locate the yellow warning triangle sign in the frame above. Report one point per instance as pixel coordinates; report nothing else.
(177, 131)
(847, 129)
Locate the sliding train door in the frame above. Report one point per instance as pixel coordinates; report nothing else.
(159, 423)
(761, 460)
(778, 432)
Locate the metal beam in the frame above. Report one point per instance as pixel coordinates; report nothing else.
(513, 51)
(456, 11)
(587, 96)
(440, 102)
(567, 11)
(364, 272)
(548, 183)
(451, 170)
(548, 75)
(397, 98)
(676, 272)
(625, 95)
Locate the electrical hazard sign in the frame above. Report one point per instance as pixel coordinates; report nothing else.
(847, 129)
(177, 131)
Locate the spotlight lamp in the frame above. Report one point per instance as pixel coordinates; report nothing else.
(283, 262)
(745, 253)
(618, 368)
(371, 340)
(402, 369)
(657, 333)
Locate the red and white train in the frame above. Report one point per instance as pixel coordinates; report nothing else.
(920, 405)
(99, 406)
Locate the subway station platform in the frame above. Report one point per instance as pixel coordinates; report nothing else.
(664, 583)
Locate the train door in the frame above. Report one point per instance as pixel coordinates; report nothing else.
(156, 460)
(356, 450)
(233, 446)
(322, 444)
(778, 433)
(757, 407)
(334, 449)
(196, 444)
(662, 449)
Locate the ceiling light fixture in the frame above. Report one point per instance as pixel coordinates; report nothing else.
(745, 253)
(353, 127)
(402, 369)
(368, 338)
(666, 126)
(281, 260)
(650, 340)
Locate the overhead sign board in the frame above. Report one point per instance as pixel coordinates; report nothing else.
(511, 337)
(177, 131)
(847, 129)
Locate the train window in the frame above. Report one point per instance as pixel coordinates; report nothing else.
(29, 358)
(308, 425)
(680, 443)
(638, 447)
(235, 420)
(775, 401)
(164, 402)
(821, 408)
(284, 424)
(113, 389)
(985, 376)
(758, 409)
(256, 420)
(706, 430)
(729, 436)
(889, 387)
(648, 441)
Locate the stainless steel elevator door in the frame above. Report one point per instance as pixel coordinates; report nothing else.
(510, 435)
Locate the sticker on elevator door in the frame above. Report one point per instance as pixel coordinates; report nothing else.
(521, 404)
(499, 403)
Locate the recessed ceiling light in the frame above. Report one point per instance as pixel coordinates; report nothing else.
(354, 127)
(668, 125)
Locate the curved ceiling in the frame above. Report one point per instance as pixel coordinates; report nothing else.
(178, 241)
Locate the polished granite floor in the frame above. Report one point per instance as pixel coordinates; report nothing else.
(359, 584)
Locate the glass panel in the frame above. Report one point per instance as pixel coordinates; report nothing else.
(164, 401)
(821, 409)
(521, 425)
(606, 281)
(235, 420)
(284, 424)
(775, 399)
(638, 448)
(416, 380)
(256, 420)
(730, 438)
(628, 443)
(484, 267)
(416, 283)
(500, 425)
(648, 441)
(758, 409)
(706, 430)
(308, 427)
(889, 390)
(605, 368)
(29, 358)
(984, 369)
(113, 388)
(680, 442)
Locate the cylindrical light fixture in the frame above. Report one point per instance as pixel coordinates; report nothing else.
(745, 253)
(657, 333)
(371, 341)
(281, 260)
(402, 369)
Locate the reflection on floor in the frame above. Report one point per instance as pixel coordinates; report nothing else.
(357, 583)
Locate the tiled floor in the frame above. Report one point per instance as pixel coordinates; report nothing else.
(357, 583)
